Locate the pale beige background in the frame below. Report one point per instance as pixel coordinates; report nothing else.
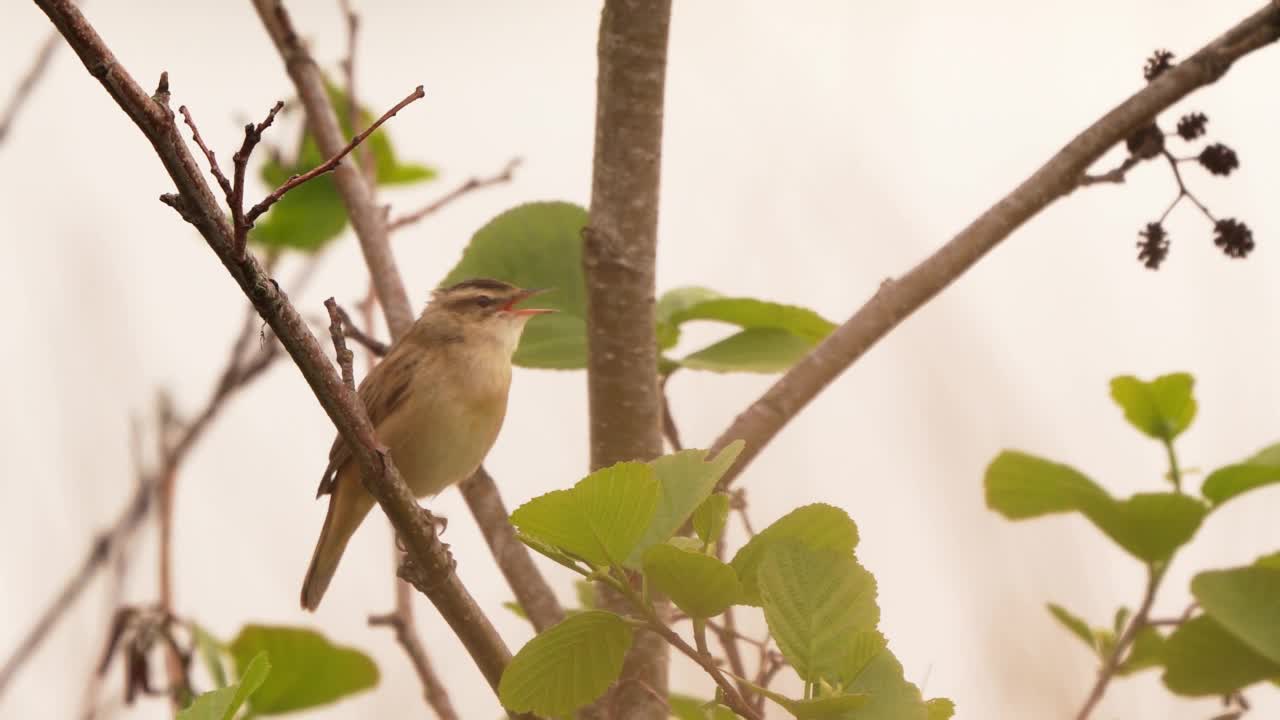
(812, 149)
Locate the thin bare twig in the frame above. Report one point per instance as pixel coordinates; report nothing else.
(28, 83)
(370, 225)
(375, 346)
(1123, 643)
(401, 622)
(329, 165)
(345, 358)
(669, 428)
(897, 299)
(471, 185)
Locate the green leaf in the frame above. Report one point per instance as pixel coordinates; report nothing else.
(307, 670)
(537, 245)
(211, 650)
(1147, 652)
(1203, 658)
(1227, 482)
(1075, 625)
(687, 478)
(1245, 601)
(306, 219)
(601, 519)
(516, 609)
(586, 592)
(940, 709)
(892, 697)
(834, 707)
(749, 313)
(672, 302)
(698, 584)
(1149, 526)
(1271, 560)
(710, 517)
(817, 526)
(815, 602)
(759, 350)
(865, 646)
(684, 707)
(1162, 408)
(223, 703)
(567, 666)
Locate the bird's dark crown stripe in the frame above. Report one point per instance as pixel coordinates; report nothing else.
(480, 284)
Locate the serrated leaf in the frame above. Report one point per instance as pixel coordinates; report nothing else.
(1245, 601)
(305, 219)
(1146, 652)
(865, 646)
(1161, 408)
(601, 519)
(1258, 471)
(749, 313)
(834, 707)
(686, 479)
(1075, 625)
(758, 350)
(223, 703)
(939, 709)
(567, 666)
(1150, 526)
(1203, 658)
(684, 707)
(892, 697)
(307, 670)
(817, 526)
(698, 584)
(815, 602)
(537, 245)
(709, 519)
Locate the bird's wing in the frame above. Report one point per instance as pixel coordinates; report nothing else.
(383, 390)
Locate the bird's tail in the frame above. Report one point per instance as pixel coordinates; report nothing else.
(347, 507)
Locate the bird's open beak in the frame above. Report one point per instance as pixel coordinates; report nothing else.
(525, 295)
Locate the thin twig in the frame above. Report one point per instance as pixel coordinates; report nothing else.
(471, 185)
(329, 165)
(373, 345)
(1114, 175)
(28, 83)
(345, 357)
(1112, 663)
(669, 428)
(400, 621)
(761, 421)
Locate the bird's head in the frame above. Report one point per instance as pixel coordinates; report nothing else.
(486, 308)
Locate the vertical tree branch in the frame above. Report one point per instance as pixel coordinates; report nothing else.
(370, 224)
(620, 243)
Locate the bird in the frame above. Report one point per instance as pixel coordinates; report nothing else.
(436, 401)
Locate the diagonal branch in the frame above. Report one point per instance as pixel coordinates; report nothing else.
(433, 573)
(28, 83)
(471, 185)
(1063, 173)
(370, 225)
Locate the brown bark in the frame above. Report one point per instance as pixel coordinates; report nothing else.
(1062, 174)
(620, 244)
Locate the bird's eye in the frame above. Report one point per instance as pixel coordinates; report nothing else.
(484, 301)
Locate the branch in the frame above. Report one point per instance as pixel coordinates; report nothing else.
(618, 253)
(370, 225)
(375, 346)
(1125, 640)
(100, 551)
(330, 164)
(471, 185)
(1063, 173)
(401, 622)
(367, 219)
(434, 572)
(28, 83)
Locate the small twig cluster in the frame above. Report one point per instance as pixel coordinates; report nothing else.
(243, 221)
(135, 633)
(1232, 236)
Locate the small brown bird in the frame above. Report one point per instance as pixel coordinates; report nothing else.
(437, 401)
